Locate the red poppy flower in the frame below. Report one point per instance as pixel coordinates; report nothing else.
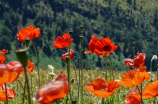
(133, 97)
(138, 61)
(2, 59)
(92, 44)
(53, 90)
(10, 72)
(10, 93)
(67, 54)
(151, 90)
(99, 87)
(62, 42)
(4, 51)
(133, 78)
(104, 46)
(30, 67)
(29, 31)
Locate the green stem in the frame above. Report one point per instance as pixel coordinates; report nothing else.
(24, 92)
(112, 70)
(102, 101)
(6, 93)
(20, 83)
(31, 84)
(37, 65)
(133, 51)
(81, 72)
(151, 67)
(56, 101)
(28, 90)
(141, 94)
(106, 75)
(69, 69)
(68, 72)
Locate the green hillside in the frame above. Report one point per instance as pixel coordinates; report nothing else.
(124, 21)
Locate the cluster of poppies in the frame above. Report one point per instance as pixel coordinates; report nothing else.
(63, 42)
(59, 87)
(130, 79)
(9, 73)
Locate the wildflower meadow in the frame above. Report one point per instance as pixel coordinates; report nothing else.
(23, 82)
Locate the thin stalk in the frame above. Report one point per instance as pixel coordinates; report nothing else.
(31, 84)
(28, 90)
(157, 73)
(24, 92)
(141, 94)
(69, 69)
(6, 93)
(68, 72)
(20, 83)
(56, 101)
(112, 69)
(76, 77)
(81, 70)
(151, 66)
(102, 101)
(133, 51)
(106, 75)
(39, 84)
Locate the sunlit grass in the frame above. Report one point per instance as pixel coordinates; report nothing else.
(89, 76)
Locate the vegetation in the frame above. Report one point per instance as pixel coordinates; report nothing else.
(123, 21)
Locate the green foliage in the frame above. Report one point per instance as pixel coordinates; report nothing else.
(124, 21)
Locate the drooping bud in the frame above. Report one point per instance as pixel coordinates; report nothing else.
(70, 32)
(81, 28)
(27, 41)
(22, 55)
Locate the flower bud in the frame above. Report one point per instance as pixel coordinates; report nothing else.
(27, 41)
(22, 55)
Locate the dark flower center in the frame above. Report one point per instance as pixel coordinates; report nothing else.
(107, 48)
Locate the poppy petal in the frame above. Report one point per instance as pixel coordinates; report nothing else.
(140, 77)
(142, 69)
(10, 93)
(151, 90)
(2, 59)
(127, 77)
(112, 85)
(133, 97)
(53, 90)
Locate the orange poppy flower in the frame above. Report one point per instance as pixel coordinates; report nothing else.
(53, 90)
(151, 90)
(4, 51)
(99, 87)
(104, 46)
(142, 69)
(138, 61)
(10, 72)
(30, 67)
(10, 93)
(29, 31)
(67, 54)
(133, 78)
(63, 42)
(133, 97)
(92, 44)
(2, 59)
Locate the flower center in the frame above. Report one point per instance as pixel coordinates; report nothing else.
(107, 48)
(103, 89)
